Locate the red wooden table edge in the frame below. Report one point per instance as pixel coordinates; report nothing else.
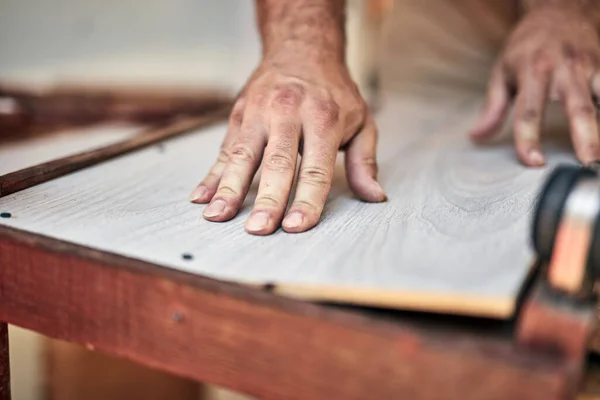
(4, 363)
(250, 340)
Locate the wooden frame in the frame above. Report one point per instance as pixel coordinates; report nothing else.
(34, 110)
(4, 363)
(27, 177)
(250, 340)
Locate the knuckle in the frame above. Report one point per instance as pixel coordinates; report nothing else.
(328, 108)
(227, 191)
(368, 162)
(541, 63)
(212, 175)
(305, 205)
(236, 116)
(288, 97)
(530, 115)
(584, 111)
(279, 162)
(327, 113)
(315, 176)
(237, 113)
(578, 57)
(223, 156)
(242, 154)
(267, 201)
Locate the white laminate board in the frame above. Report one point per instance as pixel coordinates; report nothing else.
(19, 154)
(453, 236)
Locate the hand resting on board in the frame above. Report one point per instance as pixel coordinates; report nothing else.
(553, 54)
(301, 100)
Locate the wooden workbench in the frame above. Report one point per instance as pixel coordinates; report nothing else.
(95, 257)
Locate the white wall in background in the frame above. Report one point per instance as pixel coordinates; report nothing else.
(172, 41)
(134, 41)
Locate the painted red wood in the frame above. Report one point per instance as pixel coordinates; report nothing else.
(4, 363)
(252, 341)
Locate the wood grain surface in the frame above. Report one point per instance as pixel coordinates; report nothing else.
(453, 237)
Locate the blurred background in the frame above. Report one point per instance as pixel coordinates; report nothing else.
(191, 42)
(160, 42)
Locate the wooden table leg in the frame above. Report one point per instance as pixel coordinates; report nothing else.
(4, 363)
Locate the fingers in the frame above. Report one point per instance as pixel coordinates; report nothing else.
(361, 164)
(595, 84)
(205, 191)
(529, 113)
(314, 182)
(244, 159)
(497, 103)
(279, 167)
(581, 111)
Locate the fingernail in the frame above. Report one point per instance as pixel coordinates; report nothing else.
(198, 193)
(379, 188)
(536, 158)
(378, 194)
(215, 208)
(294, 220)
(475, 129)
(257, 222)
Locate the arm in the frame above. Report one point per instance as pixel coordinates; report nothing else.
(311, 28)
(584, 5)
(590, 9)
(553, 54)
(300, 99)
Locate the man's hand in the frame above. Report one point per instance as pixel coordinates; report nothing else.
(301, 99)
(554, 53)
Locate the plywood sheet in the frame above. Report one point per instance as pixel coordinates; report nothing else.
(453, 236)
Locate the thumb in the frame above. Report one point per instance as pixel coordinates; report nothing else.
(361, 164)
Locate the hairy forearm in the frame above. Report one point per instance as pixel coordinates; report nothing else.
(591, 8)
(581, 4)
(303, 29)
